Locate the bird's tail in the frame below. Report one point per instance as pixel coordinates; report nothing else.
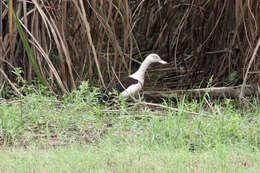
(102, 96)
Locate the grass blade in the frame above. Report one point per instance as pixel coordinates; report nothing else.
(28, 50)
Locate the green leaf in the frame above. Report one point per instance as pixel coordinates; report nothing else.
(28, 49)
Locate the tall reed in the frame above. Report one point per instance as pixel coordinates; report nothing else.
(72, 41)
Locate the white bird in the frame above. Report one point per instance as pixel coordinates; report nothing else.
(130, 85)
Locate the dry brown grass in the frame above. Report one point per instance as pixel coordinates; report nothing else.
(86, 39)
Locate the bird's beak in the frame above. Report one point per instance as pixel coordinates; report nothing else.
(162, 62)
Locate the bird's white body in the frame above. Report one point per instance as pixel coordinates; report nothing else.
(132, 90)
(139, 75)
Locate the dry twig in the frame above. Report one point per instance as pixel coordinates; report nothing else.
(241, 95)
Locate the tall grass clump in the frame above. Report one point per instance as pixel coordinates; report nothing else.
(77, 118)
(40, 131)
(40, 118)
(224, 125)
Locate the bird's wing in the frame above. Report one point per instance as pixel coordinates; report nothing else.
(122, 84)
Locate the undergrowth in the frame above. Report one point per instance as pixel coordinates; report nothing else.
(46, 120)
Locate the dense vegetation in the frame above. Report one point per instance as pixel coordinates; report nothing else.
(75, 133)
(62, 43)
(54, 53)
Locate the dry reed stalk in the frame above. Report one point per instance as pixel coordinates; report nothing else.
(63, 47)
(17, 92)
(35, 43)
(10, 21)
(241, 95)
(200, 39)
(82, 13)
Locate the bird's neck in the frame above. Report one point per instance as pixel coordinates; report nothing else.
(139, 74)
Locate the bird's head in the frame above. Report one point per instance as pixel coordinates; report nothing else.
(155, 58)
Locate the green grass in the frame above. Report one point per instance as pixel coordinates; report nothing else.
(129, 157)
(40, 133)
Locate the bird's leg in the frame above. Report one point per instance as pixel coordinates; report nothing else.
(139, 96)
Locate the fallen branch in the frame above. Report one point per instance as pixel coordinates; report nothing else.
(151, 104)
(230, 92)
(167, 107)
